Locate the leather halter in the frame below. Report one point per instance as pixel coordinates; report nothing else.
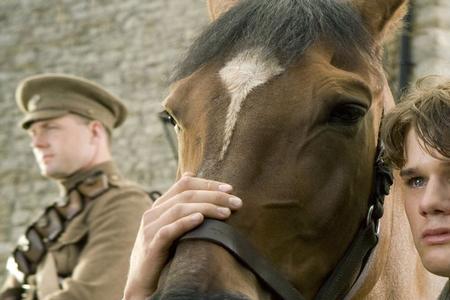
(349, 267)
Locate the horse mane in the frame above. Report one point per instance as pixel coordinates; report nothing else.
(281, 28)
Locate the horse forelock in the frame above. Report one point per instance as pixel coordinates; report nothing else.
(284, 28)
(246, 71)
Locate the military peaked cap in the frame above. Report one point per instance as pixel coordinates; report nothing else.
(49, 96)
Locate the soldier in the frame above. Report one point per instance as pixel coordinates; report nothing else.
(80, 247)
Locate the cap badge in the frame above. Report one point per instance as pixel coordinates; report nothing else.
(33, 103)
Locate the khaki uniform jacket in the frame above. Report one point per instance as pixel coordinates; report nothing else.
(92, 255)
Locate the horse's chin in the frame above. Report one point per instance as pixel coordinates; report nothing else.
(202, 270)
(189, 294)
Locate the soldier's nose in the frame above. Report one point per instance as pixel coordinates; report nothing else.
(37, 141)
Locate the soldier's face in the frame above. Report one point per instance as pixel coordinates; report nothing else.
(426, 195)
(62, 145)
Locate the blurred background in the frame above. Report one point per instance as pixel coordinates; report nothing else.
(130, 47)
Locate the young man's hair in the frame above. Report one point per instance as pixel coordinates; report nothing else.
(426, 110)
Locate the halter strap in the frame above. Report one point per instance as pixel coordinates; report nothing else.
(227, 237)
(349, 267)
(338, 284)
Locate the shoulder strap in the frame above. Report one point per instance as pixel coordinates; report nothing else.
(154, 195)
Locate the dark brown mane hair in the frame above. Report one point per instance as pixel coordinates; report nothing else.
(426, 109)
(284, 28)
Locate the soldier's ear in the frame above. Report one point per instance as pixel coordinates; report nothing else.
(381, 17)
(97, 129)
(218, 7)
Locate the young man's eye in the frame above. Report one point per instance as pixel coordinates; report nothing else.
(416, 182)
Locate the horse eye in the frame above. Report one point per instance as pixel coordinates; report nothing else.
(171, 120)
(167, 118)
(347, 114)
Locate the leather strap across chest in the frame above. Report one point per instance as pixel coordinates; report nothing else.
(45, 231)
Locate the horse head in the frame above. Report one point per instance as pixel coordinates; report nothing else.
(283, 100)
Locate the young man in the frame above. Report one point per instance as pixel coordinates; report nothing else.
(416, 135)
(79, 247)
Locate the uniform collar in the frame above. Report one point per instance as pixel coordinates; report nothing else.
(109, 168)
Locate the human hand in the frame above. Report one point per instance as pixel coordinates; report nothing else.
(182, 208)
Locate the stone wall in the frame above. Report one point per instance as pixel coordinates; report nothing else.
(429, 40)
(431, 37)
(129, 46)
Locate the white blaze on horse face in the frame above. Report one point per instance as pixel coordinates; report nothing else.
(246, 71)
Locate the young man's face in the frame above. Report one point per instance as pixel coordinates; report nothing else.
(426, 194)
(62, 145)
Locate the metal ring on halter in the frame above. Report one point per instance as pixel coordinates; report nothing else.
(378, 227)
(369, 219)
(369, 215)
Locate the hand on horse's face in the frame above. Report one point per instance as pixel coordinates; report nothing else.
(183, 207)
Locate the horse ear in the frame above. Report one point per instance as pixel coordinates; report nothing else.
(218, 7)
(382, 17)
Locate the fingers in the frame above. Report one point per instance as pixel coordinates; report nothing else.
(188, 182)
(188, 196)
(197, 196)
(155, 220)
(150, 253)
(167, 235)
(182, 208)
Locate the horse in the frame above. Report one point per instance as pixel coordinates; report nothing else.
(283, 99)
